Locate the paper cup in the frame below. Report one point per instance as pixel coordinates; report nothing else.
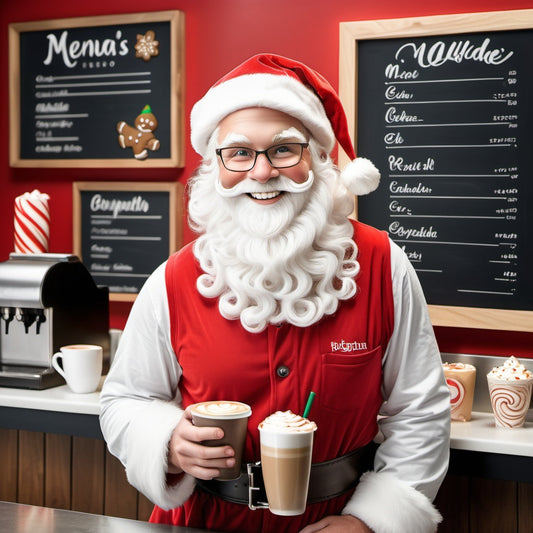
(510, 401)
(232, 417)
(461, 381)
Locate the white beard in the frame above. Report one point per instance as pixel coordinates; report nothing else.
(290, 261)
(264, 223)
(270, 220)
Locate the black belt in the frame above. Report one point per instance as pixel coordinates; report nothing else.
(327, 480)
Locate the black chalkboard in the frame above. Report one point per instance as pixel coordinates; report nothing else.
(123, 231)
(448, 120)
(79, 78)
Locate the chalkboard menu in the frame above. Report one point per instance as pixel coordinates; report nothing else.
(98, 91)
(448, 120)
(123, 231)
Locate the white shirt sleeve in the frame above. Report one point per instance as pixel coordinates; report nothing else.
(140, 400)
(412, 460)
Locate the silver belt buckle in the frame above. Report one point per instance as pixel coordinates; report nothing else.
(252, 490)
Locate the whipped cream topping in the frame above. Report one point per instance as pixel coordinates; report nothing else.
(287, 422)
(511, 370)
(458, 366)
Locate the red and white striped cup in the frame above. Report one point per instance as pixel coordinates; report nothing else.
(32, 223)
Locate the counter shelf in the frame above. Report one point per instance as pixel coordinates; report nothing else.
(55, 410)
(20, 517)
(480, 449)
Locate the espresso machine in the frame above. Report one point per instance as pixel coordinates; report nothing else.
(47, 301)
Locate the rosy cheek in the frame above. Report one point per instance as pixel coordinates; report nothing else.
(298, 174)
(230, 179)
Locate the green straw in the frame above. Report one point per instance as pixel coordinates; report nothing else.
(309, 404)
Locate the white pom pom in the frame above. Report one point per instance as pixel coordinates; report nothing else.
(360, 176)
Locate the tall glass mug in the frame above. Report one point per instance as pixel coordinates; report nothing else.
(286, 451)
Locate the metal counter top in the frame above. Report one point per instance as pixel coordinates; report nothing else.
(19, 518)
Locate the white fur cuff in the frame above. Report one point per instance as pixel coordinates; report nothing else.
(148, 438)
(389, 505)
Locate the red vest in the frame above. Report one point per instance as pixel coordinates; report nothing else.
(339, 358)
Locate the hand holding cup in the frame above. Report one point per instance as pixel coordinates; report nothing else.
(232, 418)
(187, 452)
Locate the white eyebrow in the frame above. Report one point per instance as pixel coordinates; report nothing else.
(234, 139)
(292, 134)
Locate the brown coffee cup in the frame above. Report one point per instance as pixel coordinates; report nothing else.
(232, 418)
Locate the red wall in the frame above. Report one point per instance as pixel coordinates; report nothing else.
(219, 35)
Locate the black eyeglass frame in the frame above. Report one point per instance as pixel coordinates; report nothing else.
(218, 151)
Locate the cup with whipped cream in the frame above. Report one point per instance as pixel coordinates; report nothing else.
(286, 450)
(510, 393)
(461, 381)
(232, 418)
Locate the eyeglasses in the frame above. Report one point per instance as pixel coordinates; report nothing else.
(242, 159)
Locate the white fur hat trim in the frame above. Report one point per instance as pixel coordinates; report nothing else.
(259, 90)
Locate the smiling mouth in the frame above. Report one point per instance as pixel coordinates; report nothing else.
(264, 195)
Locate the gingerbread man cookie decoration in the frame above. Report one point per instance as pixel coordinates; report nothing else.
(140, 137)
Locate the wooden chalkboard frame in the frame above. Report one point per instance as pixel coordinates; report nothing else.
(351, 33)
(175, 206)
(176, 49)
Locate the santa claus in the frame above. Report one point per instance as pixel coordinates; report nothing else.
(282, 293)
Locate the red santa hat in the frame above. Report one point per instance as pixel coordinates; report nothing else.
(277, 82)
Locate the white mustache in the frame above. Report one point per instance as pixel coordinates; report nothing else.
(249, 186)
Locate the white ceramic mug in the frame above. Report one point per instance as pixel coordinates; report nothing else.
(80, 365)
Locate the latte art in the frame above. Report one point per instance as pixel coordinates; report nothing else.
(221, 409)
